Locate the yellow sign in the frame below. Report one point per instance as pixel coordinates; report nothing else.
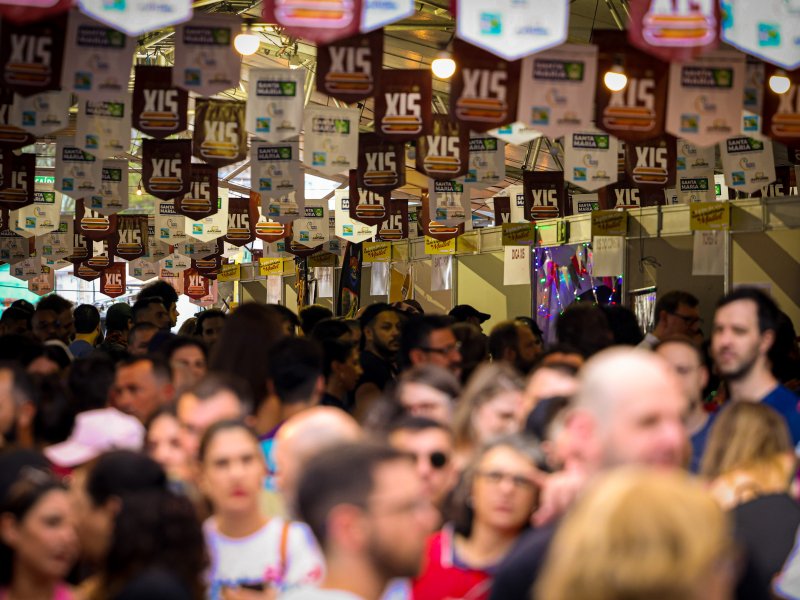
(231, 272)
(433, 246)
(609, 222)
(377, 252)
(519, 234)
(707, 216)
(270, 266)
(322, 259)
(468, 242)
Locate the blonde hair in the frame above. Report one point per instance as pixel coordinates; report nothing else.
(637, 535)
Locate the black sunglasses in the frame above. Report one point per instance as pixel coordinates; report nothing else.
(437, 459)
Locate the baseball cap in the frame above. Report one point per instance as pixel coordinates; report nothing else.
(462, 312)
(96, 432)
(118, 315)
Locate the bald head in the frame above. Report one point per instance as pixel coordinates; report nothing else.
(306, 434)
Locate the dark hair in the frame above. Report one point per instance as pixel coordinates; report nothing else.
(542, 416)
(768, 311)
(213, 383)
(20, 349)
(416, 424)
(503, 335)
(585, 327)
(161, 369)
(372, 311)
(159, 289)
(90, 380)
(120, 472)
(217, 428)
(174, 344)
(58, 353)
(474, 347)
(335, 351)
(294, 369)
(55, 411)
(785, 354)
(16, 314)
(433, 376)
(624, 326)
(344, 475)
(670, 301)
(202, 317)
(286, 315)
(117, 317)
(330, 329)
(417, 331)
(23, 305)
(143, 304)
(87, 318)
(532, 325)
(55, 303)
(311, 315)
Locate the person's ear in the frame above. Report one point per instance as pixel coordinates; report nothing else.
(25, 415)
(767, 340)
(416, 356)
(348, 528)
(9, 531)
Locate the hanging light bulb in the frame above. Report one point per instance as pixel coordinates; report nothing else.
(139, 188)
(247, 42)
(443, 66)
(779, 83)
(615, 78)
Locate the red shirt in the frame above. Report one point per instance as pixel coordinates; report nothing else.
(444, 577)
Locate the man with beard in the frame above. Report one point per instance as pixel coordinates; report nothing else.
(62, 309)
(743, 333)
(381, 330)
(514, 343)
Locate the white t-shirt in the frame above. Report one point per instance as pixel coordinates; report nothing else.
(257, 558)
(309, 593)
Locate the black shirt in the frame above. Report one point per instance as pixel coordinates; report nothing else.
(517, 573)
(376, 370)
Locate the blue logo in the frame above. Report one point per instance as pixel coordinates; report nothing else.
(579, 174)
(491, 23)
(769, 34)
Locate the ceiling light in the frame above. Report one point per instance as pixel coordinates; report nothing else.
(139, 188)
(247, 42)
(443, 66)
(615, 78)
(780, 83)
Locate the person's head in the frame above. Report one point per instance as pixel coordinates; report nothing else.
(163, 443)
(514, 343)
(784, 355)
(62, 308)
(430, 340)
(187, 358)
(551, 380)
(188, 327)
(209, 326)
(331, 329)
(151, 309)
(624, 325)
(168, 296)
(304, 435)
(15, 321)
(743, 333)
(289, 321)
(431, 444)
(37, 532)
(54, 412)
(638, 535)
(464, 313)
(311, 315)
(428, 391)
(500, 487)
(232, 468)
(119, 317)
(489, 405)
(365, 503)
(216, 397)
(584, 327)
(140, 337)
(546, 424)
(687, 360)
(16, 401)
(629, 409)
(474, 347)
(44, 325)
(142, 385)
(676, 313)
(294, 375)
(87, 320)
(380, 325)
(341, 363)
(90, 382)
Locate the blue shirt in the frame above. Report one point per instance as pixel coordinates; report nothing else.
(699, 440)
(785, 402)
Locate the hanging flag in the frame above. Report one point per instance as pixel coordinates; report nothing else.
(748, 163)
(113, 195)
(132, 237)
(395, 226)
(651, 165)
(706, 97)
(219, 136)
(112, 281)
(78, 173)
(32, 55)
(545, 195)
(194, 284)
(312, 229)
(627, 194)
(198, 250)
(381, 164)
(590, 159)
(345, 227)
(27, 269)
(175, 263)
(431, 228)
(753, 97)
(201, 200)
(169, 226)
(98, 59)
(54, 247)
(210, 228)
(487, 160)
(379, 13)
(319, 21)
(444, 154)
(512, 29)
(205, 60)
(41, 114)
(484, 88)
(143, 270)
(350, 69)
(91, 224)
(100, 257)
(14, 248)
(516, 133)
(136, 17)
(331, 139)
(269, 231)
(242, 219)
(17, 187)
(349, 296)
(276, 175)
(29, 11)
(555, 87)
(403, 104)
(81, 271)
(365, 206)
(695, 172)
(80, 247)
(782, 111)
(103, 128)
(674, 31)
(159, 108)
(637, 111)
(502, 210)
(767, 30)
(448, 201)
(166, 168)
(44, 283)
(38, 218)
(11, 137)
(275, 103)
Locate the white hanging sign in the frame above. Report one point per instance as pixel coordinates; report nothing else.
(590, 159)
(748, 163)
(331, 139)
(136, 17)
(103, 128)
(275, 103)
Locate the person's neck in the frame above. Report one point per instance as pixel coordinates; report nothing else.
(355, 575)
(754, 385)
(239, 525)
(334, 387)
(27, 585)
(697, 417)
(86, 337)
(485, 546)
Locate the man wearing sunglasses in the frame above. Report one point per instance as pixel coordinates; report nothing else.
(676, 314)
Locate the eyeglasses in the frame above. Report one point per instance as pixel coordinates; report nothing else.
(688, 320)
(497, 477)
(443, 351)
(437, 459)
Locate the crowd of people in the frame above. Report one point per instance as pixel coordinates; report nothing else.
(262, 454)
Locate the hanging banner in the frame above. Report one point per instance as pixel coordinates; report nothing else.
(674, 31)
(275, 172)
(166, 168)
(142, 270)
(41, 114)
(26, 270)
(447, 202)
(637, 111)
(98, 59)
(17, 185)
(555, 87)
(487, 161)
(195, 285)
(100, 257)
(366, 207)
(516, 265)
(300, 250)
(484, 88)
(242, 219)
(176, 263)
(609, 222)
(208, 267)
(198, 250)
(651, 165)
(11, 137)
(625, 194)
(319, 21)
(275, 103)
(43, 283)
(590, 159)
(269, 231)
(219, 137)
(91, 224)
(54, 247)
(104, 128)
(136, 18)
(516, 200)
(80, 246)
(403, 104)
(512, 29)
(331, 139)
(201, 201)
(312, 229)
(349, 297)
(545, 195)
(78, 173)
(113, 196)
(84, 272)
(378, 13)
(132, 237)
(346, 228)
(516, 133)
(205, 60)
(695, 172)
(112, 280)
(213, 227)
(445, 153)
(767, 30)
(748, 163)
(433, 230)
(39, 218)
(170, 227)
(13, 247)
(29, 11)
(159, 107)
(350, 69)
(381, 164)
(753, 97)
(502, 210)
(395, 226)
(782, 111)
(708, 216)
(31, 55)
(706, 97)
